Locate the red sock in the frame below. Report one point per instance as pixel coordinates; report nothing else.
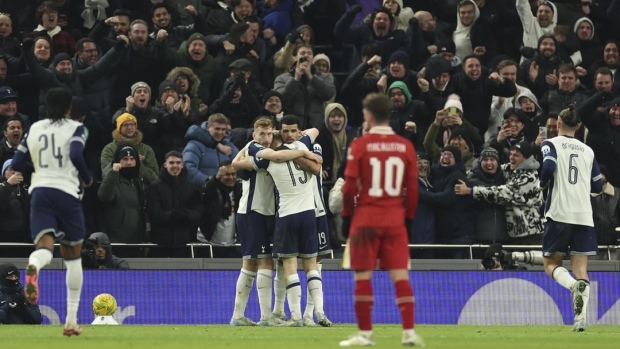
(406, 303)
(363, 304)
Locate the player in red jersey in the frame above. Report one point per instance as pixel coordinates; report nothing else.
(381, 167)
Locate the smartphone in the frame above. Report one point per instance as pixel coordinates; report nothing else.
(542, 131)
(505, 122)
(303, 59)
(451, 111)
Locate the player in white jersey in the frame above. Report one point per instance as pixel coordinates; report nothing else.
(295, 230)
(571, 173)
(55, 146)
(255, 221)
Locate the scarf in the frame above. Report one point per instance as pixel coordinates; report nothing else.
(89, 12)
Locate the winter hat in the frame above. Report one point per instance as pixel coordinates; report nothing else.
(6, 165)
(489, 152)
(454, 101)
(125, 117)
(520, 114)
(399, 2)
(456, 152)
(59, 58)
(524, 148)
(322, 56)
(402, 86)
(437, 65)
(167, 84)
(241, 64)
(6, 270)
(138, 85)
(581, 20)
(549, 5)
(271, 93)
(547, 36)
(448, 46)
(460, 132)
(399, 56)
(125, 150)
(423, 156)
(196, 36)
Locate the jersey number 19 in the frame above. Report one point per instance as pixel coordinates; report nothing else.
(387, 176)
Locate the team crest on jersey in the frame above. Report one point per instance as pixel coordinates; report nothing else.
(545, 149)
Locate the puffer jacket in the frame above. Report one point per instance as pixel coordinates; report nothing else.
(521, 195)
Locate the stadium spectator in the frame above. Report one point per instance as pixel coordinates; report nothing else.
(536, 27)
(106, 37)
(422, 229)
(122, 194)
(512, 132)
(220, 21)
(14, 310)
(14, 210)
(238, 101)
(609, 59)
(304, 90)
(10, 44)
(520, 195)
(174, 206)
(284, 59)
(568, 91)
(334, 140)
(160, 16)
(606, 211)
(539, 73)
(409, 118)
(177, 117)
(97, 254)
(50, 25)
(126, 132)
(272, 107)
(221, 194)
(207, 148)
(13, 135)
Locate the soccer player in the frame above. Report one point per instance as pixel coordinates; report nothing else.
(55, 146)
(255, 221)
(380, 167)
(571, 173)
(295, 229)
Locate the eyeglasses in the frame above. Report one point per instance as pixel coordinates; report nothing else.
(447, 155)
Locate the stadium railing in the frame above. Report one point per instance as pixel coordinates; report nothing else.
(471, 248)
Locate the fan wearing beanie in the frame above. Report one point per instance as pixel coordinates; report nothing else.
(521, 195)
(127, 133)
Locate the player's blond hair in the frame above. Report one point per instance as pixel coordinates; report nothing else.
(263, 122)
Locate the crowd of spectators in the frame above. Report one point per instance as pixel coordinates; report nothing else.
(169, 90)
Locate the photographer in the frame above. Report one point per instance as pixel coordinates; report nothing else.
(496, 258)
(14, 309)
(97, 254)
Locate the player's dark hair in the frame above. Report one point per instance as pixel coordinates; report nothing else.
(175, 153)
(290, 119)
(5, 126)
(58, 102)
(570, 119)
(379, 105)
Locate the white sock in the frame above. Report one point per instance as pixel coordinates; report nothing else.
(293, 292)
(586, 298)
(309, 311)
(315, 289)
(562, 277)
(263, 286)
(366, 334)
(279, 290)
(40, 258)
(244, 286)
(74, 282)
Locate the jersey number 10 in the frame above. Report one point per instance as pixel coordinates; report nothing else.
(387, 176)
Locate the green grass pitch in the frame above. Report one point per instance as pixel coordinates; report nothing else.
(386, 336)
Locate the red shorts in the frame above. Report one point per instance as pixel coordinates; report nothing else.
(389, 244)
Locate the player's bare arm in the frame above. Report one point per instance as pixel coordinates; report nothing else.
(282, 156)
(242, 162)
(309, 165)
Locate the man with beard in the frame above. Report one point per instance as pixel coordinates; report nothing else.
(97, 254)
(490, 219)
(535, 27)
(609, 60)
(139, 62)
(127, 132)
(160, 16)
(379, 30)
(14, 310)
(539, 74)
(174, 206)
(105, 37)
(521, 196)
(590, 47)
(409, 118)
(138, 104)
(13, 134)
(603, 131)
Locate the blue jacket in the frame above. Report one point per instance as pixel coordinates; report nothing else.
(423, 230)
(201, 157)
(278, 18)
(17, 312)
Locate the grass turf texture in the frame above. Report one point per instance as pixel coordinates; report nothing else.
(229, 337)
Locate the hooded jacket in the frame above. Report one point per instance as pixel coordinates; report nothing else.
(14, 212)
(413, 110)
(531, 28)
(283, 60)
(498, 109)
(590, 48)
(149, 167)
(326, 139)
(194, 84)
(522, 197)
(462, 36)
(13, 307)
(167, 194)
(109, 262)
(490, 219)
